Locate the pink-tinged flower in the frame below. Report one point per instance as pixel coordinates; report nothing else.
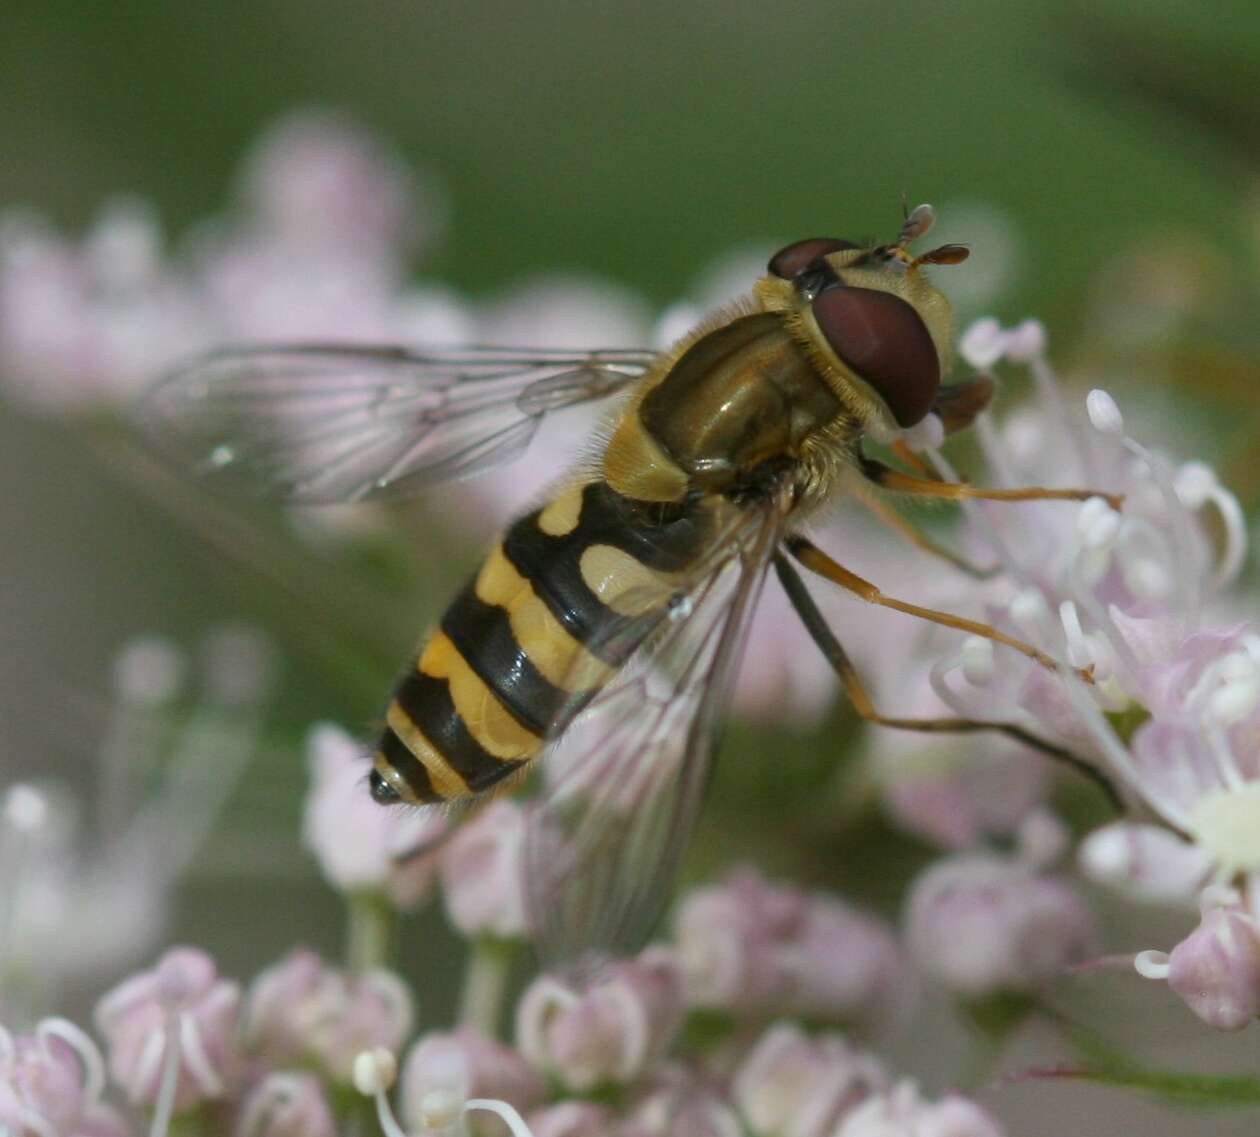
(571, 1119)
(682, 1106)
(952, 791)
(88, 324)
(358, 844)
(481, 873)
(301, 1009)
(610, 1034)
(287, 1104)
(981, 923)
(445, 1071)
(901, 1112)
(792, 1085)
(1215, 970)
(83, 903)
(177, 1021)
(728, 939)
(316, 177)
(1195, 760)
(1145, 862)
(755, 948)
(844, 964)
(1132, 596)
(51, 1082)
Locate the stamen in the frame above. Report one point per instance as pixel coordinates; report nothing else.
(507, 1113)
(373, 1074)
(1103, 412)
(84, 1048)
(1151, 964)
(927, 434)
(1031, 614)
(1097, 523)
(1197, 486)
(1183, 541)
(1026, 341)
(983, 343)
(1078, 647)
(164, 1107)
(976, 657)
(198, 1061)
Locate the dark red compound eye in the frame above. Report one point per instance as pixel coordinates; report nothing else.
(792, 260)
(885, 342)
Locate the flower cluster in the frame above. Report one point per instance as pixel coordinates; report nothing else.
(754, 1014)
(87, 884)
(182, 1043)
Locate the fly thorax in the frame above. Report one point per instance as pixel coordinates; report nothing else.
(744, 394)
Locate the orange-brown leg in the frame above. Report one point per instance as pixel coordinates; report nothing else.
(814, 559)
(838, 658)
(911, 459)
(888, 516)
(888, 478)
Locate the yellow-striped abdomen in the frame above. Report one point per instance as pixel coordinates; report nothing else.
(544, 624)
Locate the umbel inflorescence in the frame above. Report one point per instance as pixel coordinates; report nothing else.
(764, 1007)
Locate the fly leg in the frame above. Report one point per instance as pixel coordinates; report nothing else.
(888, 478)
(886, 515)
(814, 559)
(838, 658)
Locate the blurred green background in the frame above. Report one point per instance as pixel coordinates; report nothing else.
(637, 141)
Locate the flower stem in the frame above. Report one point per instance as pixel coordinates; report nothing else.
(369, 931)
(485, 983)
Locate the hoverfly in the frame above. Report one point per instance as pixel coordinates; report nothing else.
(600, 637)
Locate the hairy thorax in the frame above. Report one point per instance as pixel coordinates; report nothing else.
(734, 399)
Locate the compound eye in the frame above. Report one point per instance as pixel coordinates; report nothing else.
(382, 792)
(792, 260)
(885, 342)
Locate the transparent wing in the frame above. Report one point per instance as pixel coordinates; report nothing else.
(624, 781)
(316, 423)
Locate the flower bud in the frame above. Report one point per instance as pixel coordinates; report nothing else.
(481, 873)
(357, 842)
(571, 1119)
(286, 1105)
(728, 939)
(460, 1065)
(51, 1082)
(682, 1109)
(1146, 862)
(981, 924)
(1215, 970)
(902, 1113)
(302, 1009)
(320, 177)
(181, 1003)
(610, 1034)
(982, 343)
(1025, 341)
(791, 1085)
(1103, 412)
(845, 965)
